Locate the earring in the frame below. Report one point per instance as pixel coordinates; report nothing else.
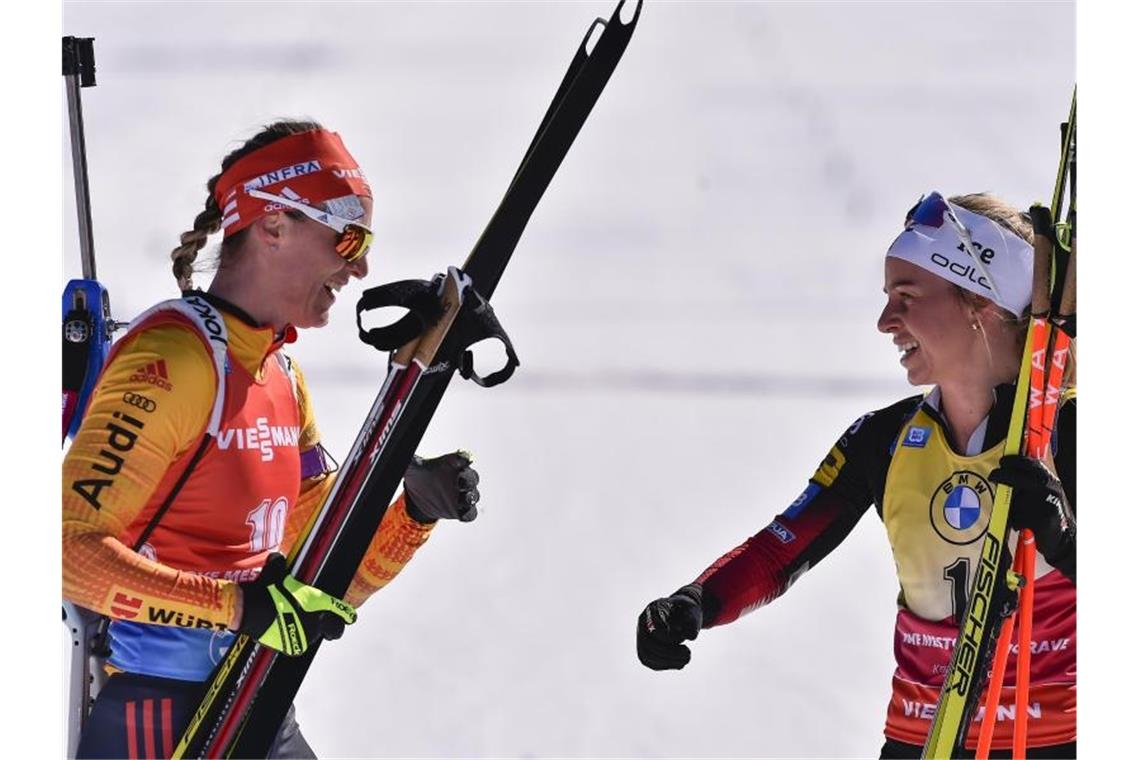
(975, 326)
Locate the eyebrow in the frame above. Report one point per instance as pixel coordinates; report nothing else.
(899, 284)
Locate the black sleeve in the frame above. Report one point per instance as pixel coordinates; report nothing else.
(1065, 450)
(1065, 460)
(867, 447)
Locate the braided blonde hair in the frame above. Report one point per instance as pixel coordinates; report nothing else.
(1016, 221)
(209, 220)
(997, 210)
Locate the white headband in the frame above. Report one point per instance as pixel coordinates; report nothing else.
(1000, 269)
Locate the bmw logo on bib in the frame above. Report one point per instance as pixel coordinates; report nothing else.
(960, 507)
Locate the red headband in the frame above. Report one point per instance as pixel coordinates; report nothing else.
(313, 167)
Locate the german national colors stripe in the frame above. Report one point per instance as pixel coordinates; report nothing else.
(145, 733)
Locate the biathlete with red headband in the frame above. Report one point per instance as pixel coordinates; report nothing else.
(958, 284)
(199, 460)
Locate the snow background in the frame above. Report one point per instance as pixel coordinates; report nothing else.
(693, 302)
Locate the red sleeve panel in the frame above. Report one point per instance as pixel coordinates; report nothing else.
(766, 565)
(846, 483)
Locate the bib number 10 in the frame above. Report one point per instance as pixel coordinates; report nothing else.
(266, 524)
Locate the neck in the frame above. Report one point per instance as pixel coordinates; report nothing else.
(968, 396)
(238, 289)
(964, 406)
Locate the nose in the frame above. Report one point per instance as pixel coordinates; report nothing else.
(359, 268)
(888, 319)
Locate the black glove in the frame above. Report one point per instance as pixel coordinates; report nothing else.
(664, 624)
(441, 488)
(1039, 504)
(282, 613)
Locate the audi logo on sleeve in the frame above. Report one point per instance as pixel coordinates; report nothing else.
(140, 401)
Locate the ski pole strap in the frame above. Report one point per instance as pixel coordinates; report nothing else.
(478, 322)
(422, 298)
(419, 297)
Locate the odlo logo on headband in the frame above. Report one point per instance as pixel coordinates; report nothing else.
(964, 271)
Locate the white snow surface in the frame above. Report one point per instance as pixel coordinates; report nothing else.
(693, 302)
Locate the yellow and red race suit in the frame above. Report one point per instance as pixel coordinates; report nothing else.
(935, 505)
(185, 369)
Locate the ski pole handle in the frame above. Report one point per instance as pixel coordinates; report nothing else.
(419, 297)
(1066, 317)
(432, 309)
(1042, 258)
(79, 71)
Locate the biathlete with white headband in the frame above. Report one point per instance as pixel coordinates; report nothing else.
(929, 464)
(199, 460)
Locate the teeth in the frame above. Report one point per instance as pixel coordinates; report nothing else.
(907, 347)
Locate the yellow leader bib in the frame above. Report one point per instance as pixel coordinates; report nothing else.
(936, 507)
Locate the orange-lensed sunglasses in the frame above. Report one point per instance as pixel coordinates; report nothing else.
(355, 238)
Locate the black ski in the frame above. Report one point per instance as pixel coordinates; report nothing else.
(253, 687)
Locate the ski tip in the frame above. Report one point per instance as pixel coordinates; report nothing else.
(600, 25)
(632, 19)
(593, 34)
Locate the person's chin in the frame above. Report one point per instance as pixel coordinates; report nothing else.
(917, 376)
(318, 318)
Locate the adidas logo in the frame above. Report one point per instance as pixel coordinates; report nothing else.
(154, 374)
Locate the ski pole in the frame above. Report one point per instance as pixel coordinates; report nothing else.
(1041, 331)
(1031, 423)
(993, 692)
(1038, 447)
(1054, 319)
(1059, 304)
(1028, 550)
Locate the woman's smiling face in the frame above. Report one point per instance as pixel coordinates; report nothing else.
(930, 323)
